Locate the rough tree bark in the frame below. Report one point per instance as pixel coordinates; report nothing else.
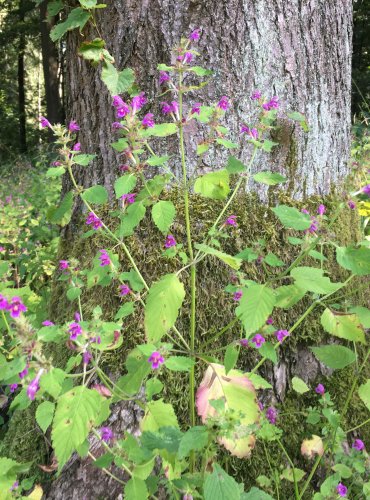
(298, 50)
(50, 64)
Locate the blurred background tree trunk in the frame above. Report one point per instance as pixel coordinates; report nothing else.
(51, 68)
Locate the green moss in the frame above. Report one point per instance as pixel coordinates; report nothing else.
(215, 307)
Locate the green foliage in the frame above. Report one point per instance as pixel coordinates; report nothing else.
(77, 18)
(220, 486)
(292, 218)
(162, 306)
(345, 326)
(95, 194)
(214, 185)
(256, 305)
(116, 81)
(163, 214)
(334, 356)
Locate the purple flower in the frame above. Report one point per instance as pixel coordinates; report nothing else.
(321, 209)
(156, 359)
(320, 389)
(223, 103)
(106, 434)
(118, 102)
(163, 77)
(56, 163)
(86, 357)
(34, 386)
(116, 125)
(238, 295)
(195, 110)
(170, 241)
(187, 58)
(77, 146)
(273, 103)
(148, 120)
(23, 373)
(366, 190)
(138, 102)
(305, 211)
(258, 340)
(244, 342)
(314, 225)
(269, 321)
(63, 264)
(124, 290)
(2, 249)
(44, 122)
(124, 168)
(256, 95)
(74, 330)
(351, 204)
(271, 415)
(128, 198)
(231, 221)
(13, 387)
(342, 490)
(94, 221)
(73, 126)
(281, 334)
(14, 486)
(123, 110)
(195, 35)
(358, 445)
(96, 340)
(16, 307)
(3, 303)
(47, 323)
(252, 132)
(170, 107)
(104, 258)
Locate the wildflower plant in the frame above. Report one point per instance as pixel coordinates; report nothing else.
(225, 411)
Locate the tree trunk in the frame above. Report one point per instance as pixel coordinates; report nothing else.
(298, 50)
(21, 84)
(50, 63)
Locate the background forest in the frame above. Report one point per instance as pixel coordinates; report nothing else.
(102, 269)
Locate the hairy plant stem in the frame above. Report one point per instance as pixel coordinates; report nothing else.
(296, 491)
(192, 268)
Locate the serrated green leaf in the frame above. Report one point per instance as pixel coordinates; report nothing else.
(138, 368)
(267, 145)
(136, 489)
(179, 363)
(158, 414)
(163, 214)
(300, 118)
(92, 50)
(313, 280)
(363, 314)
(116, 81)
(258, 381)
(292, 218)
(124, 184)
(131, 218)
(231, 261)
(364, 393)
(202, 148)
(195, 439)
(344, 471)
(299, 385)
(200, 71)
(83, 160)
(226, 143)
(44, 414)
(231, 357)
(214, 185)
(62, 214)
(288, 295)
(256, 494)
(155, 161)
(235, 166)
(88, 4)
(248, 254)
(255, 306)
(273, 260)
(356, 260)
(95, 194)
(125, 310)
(344, 326)
(162, 307)
(153, 386)
(52, 382)
(267, 350)
(160, 130)
(288, 474)
(77, 19)
(77, 412)
(220, 486)
(269, 178)
(334, 356)
(55, 172)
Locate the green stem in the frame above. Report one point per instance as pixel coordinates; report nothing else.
(296, 491)
(192, 268)
(7, 324)
(358, 426)
(272, 471)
